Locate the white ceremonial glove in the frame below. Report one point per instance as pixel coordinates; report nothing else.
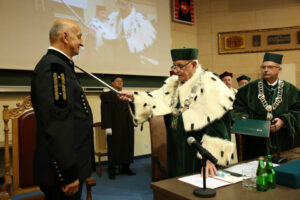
(108, 131)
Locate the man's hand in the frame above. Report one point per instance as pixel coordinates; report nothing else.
(277, 125)
(210, 169)
(125, 95)
(71, 188)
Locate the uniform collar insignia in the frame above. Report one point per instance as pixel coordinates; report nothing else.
(63, 57)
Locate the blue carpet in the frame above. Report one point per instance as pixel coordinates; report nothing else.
(124, 187)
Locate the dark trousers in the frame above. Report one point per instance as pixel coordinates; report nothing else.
(112, 164)
(55, 193)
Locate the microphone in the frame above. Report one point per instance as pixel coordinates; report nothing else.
(205, 154)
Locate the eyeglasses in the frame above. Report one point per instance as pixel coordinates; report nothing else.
(180, 66)
(268, 66)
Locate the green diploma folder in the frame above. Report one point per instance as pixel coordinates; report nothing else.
(253, 127)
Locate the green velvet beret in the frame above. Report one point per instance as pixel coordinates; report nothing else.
(225, 74)
(243, 77)
(184, 54)
(274, 57)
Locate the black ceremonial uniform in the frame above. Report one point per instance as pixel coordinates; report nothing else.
(64, 149)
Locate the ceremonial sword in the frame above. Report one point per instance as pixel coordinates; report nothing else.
(98, 79)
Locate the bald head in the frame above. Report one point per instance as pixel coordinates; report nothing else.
(65, 35)
(58, 27)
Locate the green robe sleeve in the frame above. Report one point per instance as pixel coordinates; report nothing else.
(220, 128)
(291, 118)
(240, 107)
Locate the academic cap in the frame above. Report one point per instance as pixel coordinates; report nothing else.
(274, 57)
(243, 77)
(225, 74)
(184, 54)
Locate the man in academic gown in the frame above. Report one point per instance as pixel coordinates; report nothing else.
(226, 77)
(269, 98)
(243, 80)
(118, 124)
(193, 101)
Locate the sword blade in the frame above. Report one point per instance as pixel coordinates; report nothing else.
(98, 79)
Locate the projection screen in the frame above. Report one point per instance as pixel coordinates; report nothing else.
(120, 36)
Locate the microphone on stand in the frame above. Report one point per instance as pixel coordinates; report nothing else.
(192, 142)
(203, 192)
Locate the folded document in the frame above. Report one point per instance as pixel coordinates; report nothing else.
(253, 127)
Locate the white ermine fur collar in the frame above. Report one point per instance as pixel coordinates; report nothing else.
(211, 101)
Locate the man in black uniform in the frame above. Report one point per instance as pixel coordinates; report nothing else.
(117, 122)
(64, 149)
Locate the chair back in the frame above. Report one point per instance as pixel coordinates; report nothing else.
(100, 142)
(158, 148)
(23, 127)
(27, 144)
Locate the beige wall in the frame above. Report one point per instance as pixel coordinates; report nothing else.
(213, 16)
(142, 144)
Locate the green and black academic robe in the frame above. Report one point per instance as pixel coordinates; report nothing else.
(209, 100)
(247, 104)
(115, 114)
(181, 158)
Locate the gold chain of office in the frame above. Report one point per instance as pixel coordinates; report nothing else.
(262, 98)
(187, 102)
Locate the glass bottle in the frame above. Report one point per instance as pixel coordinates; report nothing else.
(270, 173)
(261, 176)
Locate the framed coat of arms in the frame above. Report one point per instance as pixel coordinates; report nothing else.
(183, 11)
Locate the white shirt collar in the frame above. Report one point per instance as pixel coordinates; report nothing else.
(55, 49)
(273, 84)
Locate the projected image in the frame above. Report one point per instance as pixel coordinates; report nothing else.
(126, 24)
(120, 36)
(122, 31)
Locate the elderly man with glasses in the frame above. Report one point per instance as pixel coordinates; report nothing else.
(269, 98)
(194, 102)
